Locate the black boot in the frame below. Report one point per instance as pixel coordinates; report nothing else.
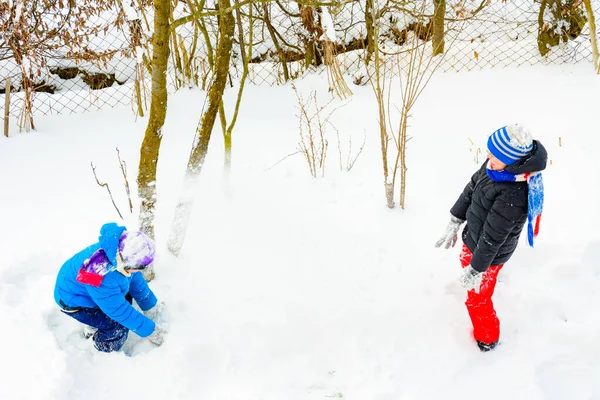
(484, 347)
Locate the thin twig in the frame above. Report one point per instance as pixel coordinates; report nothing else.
(194, 16)
(350, 164)
(337, 132)
(284, 158)
(107, 188)
(123, 166)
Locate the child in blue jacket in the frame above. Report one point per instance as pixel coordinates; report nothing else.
(97, 285)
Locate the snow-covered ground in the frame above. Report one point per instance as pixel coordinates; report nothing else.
(290, 287)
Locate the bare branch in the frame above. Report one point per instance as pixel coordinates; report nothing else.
(420, 14)
(194, 16)
(283, 159)
(124, 171)
(107, 188)
(350, 162)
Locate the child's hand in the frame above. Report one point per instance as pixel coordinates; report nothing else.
(451, 235)
(471, 279)
(158, 336)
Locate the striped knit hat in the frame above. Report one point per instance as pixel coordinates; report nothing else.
(511, 143)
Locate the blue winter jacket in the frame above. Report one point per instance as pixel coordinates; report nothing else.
(109, 296)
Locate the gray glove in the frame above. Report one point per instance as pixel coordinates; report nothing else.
(157, 311)
(471, 279)
(158, 336)
(451, 235)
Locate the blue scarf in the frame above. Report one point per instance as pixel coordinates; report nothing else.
(535, 197)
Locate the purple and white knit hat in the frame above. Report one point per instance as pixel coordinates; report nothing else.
(137, 249)
(511, 143)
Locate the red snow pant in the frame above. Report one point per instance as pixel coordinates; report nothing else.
(486, 326)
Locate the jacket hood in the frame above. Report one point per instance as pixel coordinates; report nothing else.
(109, 240)
(534, 162)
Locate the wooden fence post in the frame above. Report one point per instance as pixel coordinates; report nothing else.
(6, 106)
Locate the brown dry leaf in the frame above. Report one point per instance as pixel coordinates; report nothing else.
(476, 55)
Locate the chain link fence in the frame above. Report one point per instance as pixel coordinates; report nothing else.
(501, 33)
(64, 86)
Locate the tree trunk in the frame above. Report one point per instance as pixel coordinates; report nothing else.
(384, 137)
(438, 26)
(177, 60)
(135, 32)
(228, 133)
(403, 138)
(158, 110)
(204, 130)
(370, 23)
(280, 52)
(593, 36)
(7, 88)
(226, 137)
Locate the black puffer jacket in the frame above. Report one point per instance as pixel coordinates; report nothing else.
(496, 211)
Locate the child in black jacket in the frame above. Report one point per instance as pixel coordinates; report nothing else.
(502, 195)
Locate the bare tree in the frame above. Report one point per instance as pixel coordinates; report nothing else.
(205, 127)
(274, 38)
(105, 185)
(438, 26)
(379, 80)
(227, 133)
(593, 35)
(32, 31)
(312, 127)
(186, 67)
(414, 65)
(138, 46)
(370, 27)
(158, 108)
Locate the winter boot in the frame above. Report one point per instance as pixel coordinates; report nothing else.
(88, 331)
(485, 347)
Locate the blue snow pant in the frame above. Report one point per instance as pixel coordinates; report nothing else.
(111, 335)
